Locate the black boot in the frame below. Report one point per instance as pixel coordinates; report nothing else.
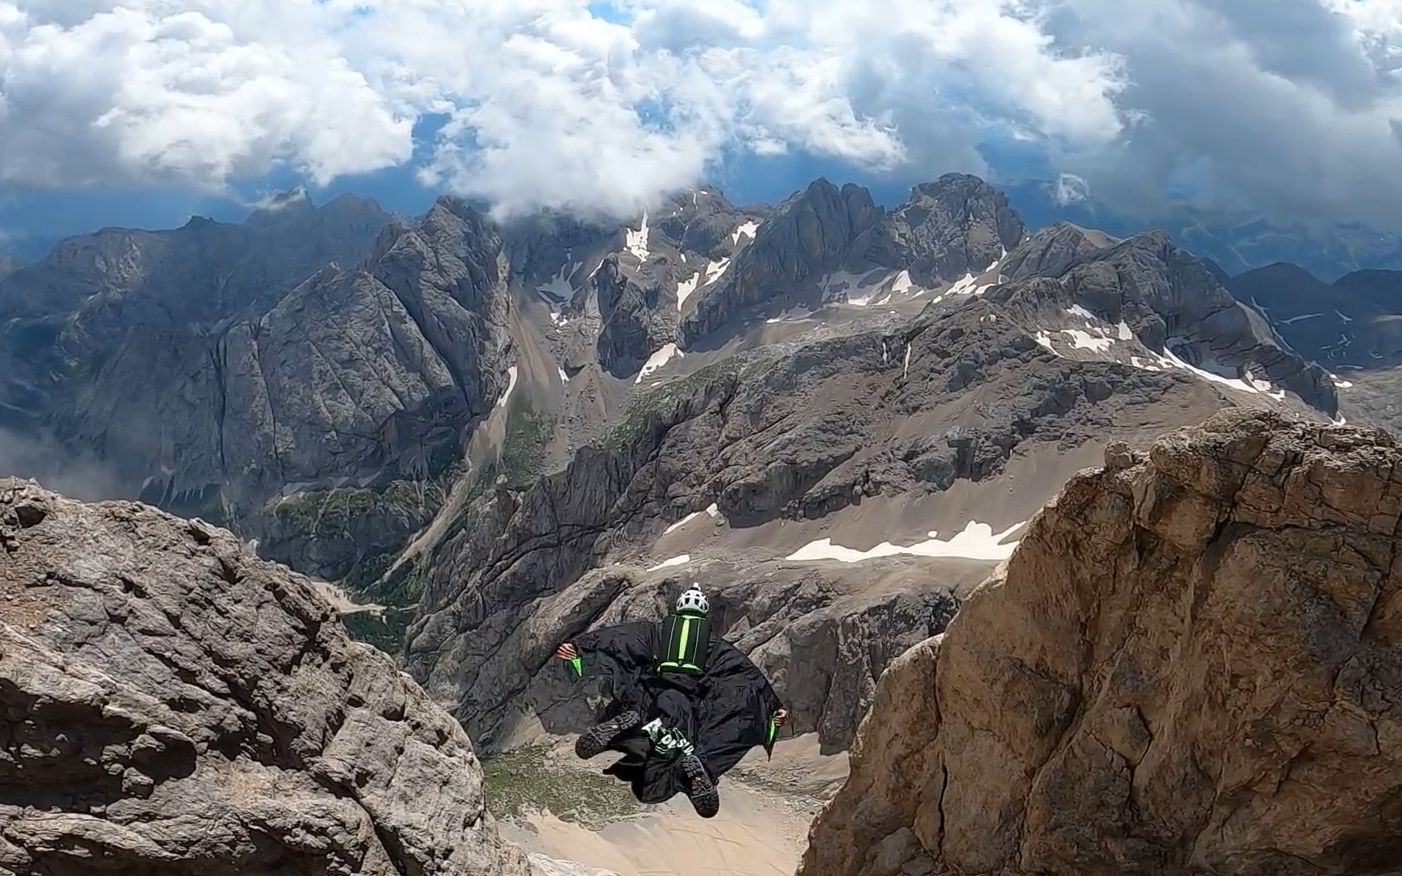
(699, 787)
(597, 740)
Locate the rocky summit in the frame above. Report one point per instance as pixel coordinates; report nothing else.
(1189, 665)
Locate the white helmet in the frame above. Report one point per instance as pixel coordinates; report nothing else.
(693, 600)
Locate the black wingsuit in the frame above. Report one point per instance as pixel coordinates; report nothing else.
(724, 707)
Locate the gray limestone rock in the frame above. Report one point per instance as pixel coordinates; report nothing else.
(175, 706)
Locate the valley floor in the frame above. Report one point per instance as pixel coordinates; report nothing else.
(762, 829)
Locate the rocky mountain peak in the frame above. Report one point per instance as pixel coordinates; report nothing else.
(953, 227)
(807, 235)
(1248, 735)
(289, 206)
(1053, 250)
(1148, 291)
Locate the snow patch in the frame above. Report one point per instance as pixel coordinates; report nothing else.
(685, 289)
(712, 511)
(674, 561)
(1340, 420)
(746, 230)
(1344, 318)
(715, 269)
(559, 285)
(564, 378)
(658, 359)
(967, 286)
(510, 386)
(1143, 365)
(636, 242)
(1295, 319)
(1085, 341)
(1343, 384)
(902, 283)
(844, 284)
(1078, 310)
(1125, 334)
(1170, 359)
(907, 360)
(1045, 340)
(977, 541)
(680, 523)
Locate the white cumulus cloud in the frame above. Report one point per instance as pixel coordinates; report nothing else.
(1291, 105)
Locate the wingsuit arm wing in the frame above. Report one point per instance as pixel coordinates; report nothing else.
(737, 712)
(613, 652)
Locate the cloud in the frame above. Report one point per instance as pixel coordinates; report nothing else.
(1070, 189)
(26, 456)
(601, 108)
(133, 95)
(1283, 106)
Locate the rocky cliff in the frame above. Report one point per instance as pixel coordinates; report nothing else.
(1189, 665)
(172, 705)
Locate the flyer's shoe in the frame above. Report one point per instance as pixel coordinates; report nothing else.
(699, 787)
(596, 741)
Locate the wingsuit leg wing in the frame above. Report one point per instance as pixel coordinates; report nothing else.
(737, 711)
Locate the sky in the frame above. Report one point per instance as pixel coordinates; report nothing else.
(145, 112)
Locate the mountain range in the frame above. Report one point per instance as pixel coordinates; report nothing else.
(425, 409)
(482, 438)
(1236, 239)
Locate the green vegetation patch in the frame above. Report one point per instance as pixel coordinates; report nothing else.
(385, 630)
(523, 454)
(334, 512)
(655, 402)
(529, 780)
(401, 589)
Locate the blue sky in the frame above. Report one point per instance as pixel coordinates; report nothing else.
(144, 114)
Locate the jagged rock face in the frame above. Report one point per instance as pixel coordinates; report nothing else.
(357, 374)
(1185, 667)
(1052, 251)
(176, 706)
(949, 398)
(1169, 301)
(624, 288)
(704, 222)
(951, 227)
(129, 294)
(639, 314)
(544, 245)
(807, 234)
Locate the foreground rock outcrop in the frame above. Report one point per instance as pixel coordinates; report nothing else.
(174, 706)
(1190, 665)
